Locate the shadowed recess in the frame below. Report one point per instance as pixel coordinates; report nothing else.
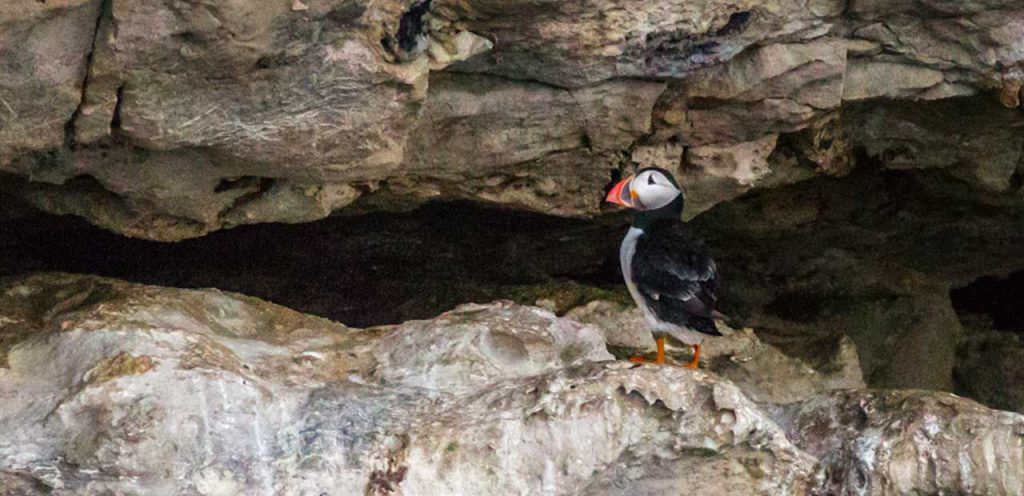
(999, 298)
(371, 269)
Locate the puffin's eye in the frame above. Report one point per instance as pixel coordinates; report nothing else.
(650, 179)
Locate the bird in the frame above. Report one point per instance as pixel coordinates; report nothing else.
(668, 270)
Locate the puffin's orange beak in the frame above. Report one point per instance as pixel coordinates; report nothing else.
(616, 196)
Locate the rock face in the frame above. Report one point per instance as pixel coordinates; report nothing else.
(908, 442)
(872, 256)
(164, 121)
(113, 387)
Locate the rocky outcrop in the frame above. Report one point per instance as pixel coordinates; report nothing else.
(872, 256)
(114, 387)
(908, 442)
(165, 121)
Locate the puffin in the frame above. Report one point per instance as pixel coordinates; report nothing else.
(668, 270)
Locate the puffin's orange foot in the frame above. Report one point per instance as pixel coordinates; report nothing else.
(695, 363)
(659, 358)
(640, 359)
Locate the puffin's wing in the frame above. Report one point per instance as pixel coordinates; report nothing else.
(670, 263)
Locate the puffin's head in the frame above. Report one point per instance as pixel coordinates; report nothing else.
(651, 188)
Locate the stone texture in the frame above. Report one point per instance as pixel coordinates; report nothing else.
(909, 442)
(167, 121)
(989, 139)
(989, 368)
(44, 49)
(581, 43)
(101, 375)
(872, 79)
(114, 387)
(522, 144)
(765, 374)
(871, 256)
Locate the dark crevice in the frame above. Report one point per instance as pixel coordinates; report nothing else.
(410, 37)
(585, 141)
(737, 23)
(362, 270)
(115, 121)
(1000, 299)
(1017, 178)
(256, 186)
(232, 183)
(410, 26)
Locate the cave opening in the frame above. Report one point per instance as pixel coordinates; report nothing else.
(989, 365)
(362, 270)
(998, 299)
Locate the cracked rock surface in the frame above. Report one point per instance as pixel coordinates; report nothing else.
(167, 120)
(114, 387)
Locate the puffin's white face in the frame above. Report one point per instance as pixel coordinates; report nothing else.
(650, 189)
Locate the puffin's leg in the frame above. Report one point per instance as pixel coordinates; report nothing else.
(696, 358)
(659, 358)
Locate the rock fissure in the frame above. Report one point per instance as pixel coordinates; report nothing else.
(105, 10)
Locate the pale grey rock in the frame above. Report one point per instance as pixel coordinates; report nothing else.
(873, 79)
(475, 345)
(909, 442)
(116, 387)
(765, 374)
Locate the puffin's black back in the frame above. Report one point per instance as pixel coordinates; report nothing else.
(676, 276)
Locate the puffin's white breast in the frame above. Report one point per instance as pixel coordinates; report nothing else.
(658, 326)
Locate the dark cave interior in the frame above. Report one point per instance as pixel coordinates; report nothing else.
(859, 255)
(372, 269)
(999, 298)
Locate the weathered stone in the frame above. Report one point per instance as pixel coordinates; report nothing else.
(263, 100)
(989, 138)
(44, 48)
(115, 387)
(871, 255)
(770, 89)
(258, 399)
(576, 44)
(909, 442)
(763, 373)
(523, 144)
(969, 41)
(886, 79)
(259, 83)
(98, 107)
(743, 163)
